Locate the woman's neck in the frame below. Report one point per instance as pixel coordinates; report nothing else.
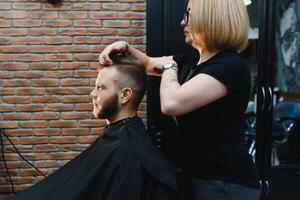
(205, 55)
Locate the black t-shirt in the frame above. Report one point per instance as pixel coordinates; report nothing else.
(212, 137)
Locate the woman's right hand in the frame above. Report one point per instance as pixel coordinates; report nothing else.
(116, 47)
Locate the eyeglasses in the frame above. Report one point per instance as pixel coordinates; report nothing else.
(186, 17)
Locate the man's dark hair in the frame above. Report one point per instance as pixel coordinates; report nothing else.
(132, 74)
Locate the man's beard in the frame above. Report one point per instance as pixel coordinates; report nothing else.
(109, 108)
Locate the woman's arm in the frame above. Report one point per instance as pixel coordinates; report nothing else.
(150, 63)
(179, 99)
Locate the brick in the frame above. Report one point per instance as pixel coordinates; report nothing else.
(73, 49)
(27, 40)
(73, 15)
(12, 14)
(30, 108)
(74, 82)
(27, 23)
(58, 40)
(42, 31)
(22, 180)
(138, 24)
(86, 73)
(116, 24)
(14, 140)
(19, 132)
(21, 148)
(86, 57)
(5, 6)
(103, 15)
(7, 91)
(27, 6)
(45, 83)
(13, 83)
(62, 156)
(5, 40)
(97, 131)
(116, 7)
(55, 23)
(109, 40)
(137, 40)
(13, 49)
(74, 65)
(75, 115)
(14, 66)
(60, 74)
(59, 57)
(94, 66)
(46, 148)
(16, 116)
(8, 124)
(33, 157)
(30, 91)
(87, 6)
(102, 31)
(132, 15)
(131, 32)
(29, 58)
(47, 164)
(75, 147)
(45, 115)
(61, 91)
(46, 132)
(4, 23)
(76, 99)
(6, 58)
(7, 108)
(83, 107)
(44, 66)
(30, 172)
(73, 31)
(28, 75)
(46, 99)
(82, 23)
(34, 140)
(63, 123)
(9, 157)
(138, 7)
(6, 75)
(44, 49)
(95, 49)
(59, 107)
(84, 91)
(13, 31)
(34, 124)
(43, 15)
(62, 140)
(87, 39)
(76, 131)
(87, 140)
(17, 100)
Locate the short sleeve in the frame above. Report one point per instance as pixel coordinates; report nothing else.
(232, 70)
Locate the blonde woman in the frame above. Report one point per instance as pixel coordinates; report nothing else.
(208, 93)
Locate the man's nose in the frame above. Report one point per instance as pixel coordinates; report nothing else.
(92, 94)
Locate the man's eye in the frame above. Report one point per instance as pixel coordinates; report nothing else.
(99, 87)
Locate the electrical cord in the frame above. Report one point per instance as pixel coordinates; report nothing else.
(5, 164)
(2, 135)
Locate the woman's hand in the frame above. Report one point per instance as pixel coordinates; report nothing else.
(116, 47)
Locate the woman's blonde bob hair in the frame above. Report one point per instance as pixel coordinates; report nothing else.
(219, 25)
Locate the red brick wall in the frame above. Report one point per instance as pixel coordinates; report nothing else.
(48, 62)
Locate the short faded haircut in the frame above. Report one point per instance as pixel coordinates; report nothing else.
(131, 74)
(223, 24)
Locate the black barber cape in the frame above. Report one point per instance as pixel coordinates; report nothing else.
(121, 165)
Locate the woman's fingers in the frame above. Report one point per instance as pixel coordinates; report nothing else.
(117, 47)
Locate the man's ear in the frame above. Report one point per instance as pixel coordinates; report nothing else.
(126, 95)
